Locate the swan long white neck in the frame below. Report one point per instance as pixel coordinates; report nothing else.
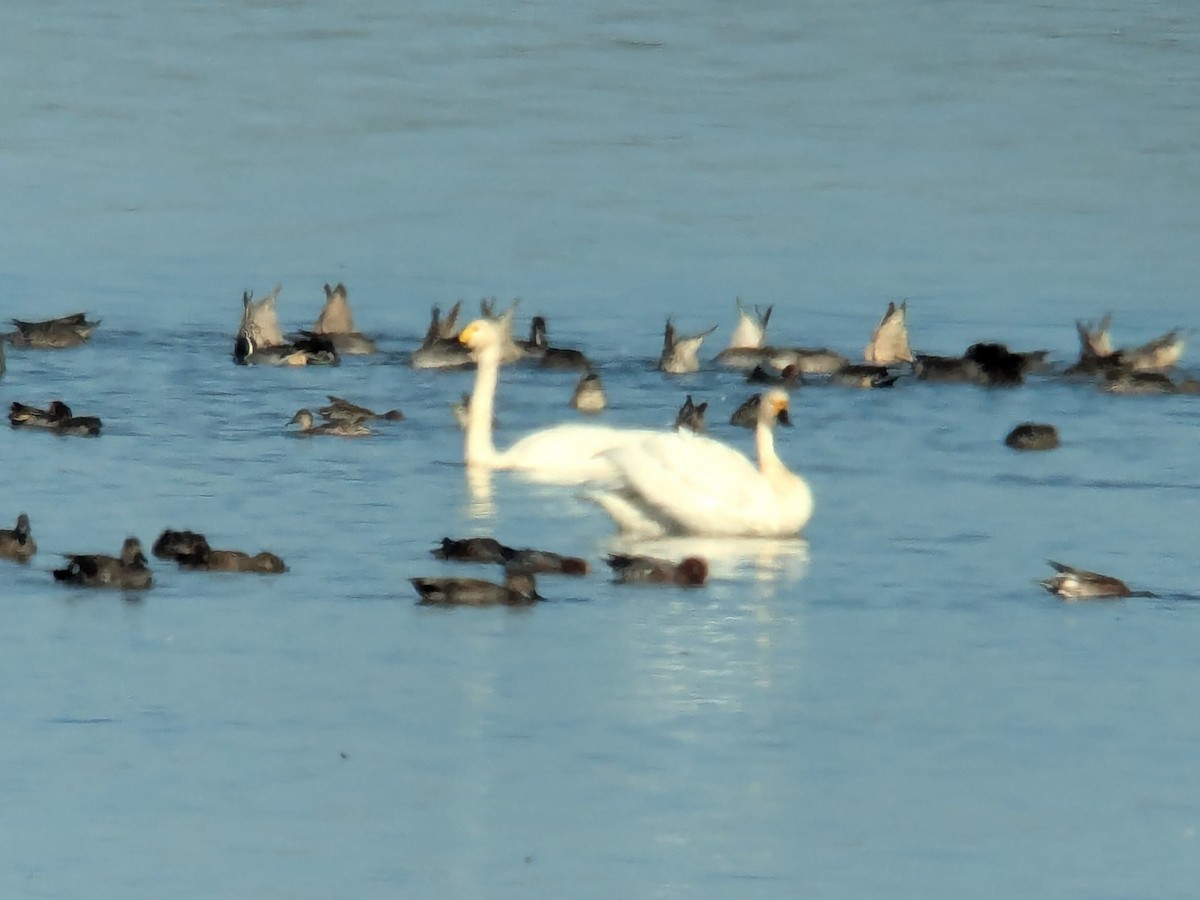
(479, 447)
(769, 462)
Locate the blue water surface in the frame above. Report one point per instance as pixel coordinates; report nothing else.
(888, 707)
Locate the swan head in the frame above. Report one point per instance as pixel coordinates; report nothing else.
(481, 335)
(773, 407)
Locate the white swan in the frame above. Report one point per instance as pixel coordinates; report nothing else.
(682, 483)
(561, 454)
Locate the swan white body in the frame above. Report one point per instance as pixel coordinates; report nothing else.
(561, 454)
(683, 483)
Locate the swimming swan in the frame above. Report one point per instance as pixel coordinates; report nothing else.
(561, 454)
(683, 483)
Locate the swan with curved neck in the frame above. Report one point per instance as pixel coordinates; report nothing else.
(564, 454)
(683, 483)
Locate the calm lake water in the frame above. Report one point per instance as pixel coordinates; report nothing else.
(889, 707)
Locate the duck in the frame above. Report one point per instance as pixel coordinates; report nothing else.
(490, 550)
(588, 396)
(682, 483)
(538, 347)
(58, 418)
(260, 320)
(807, 360)
(304, 418)
(986, 363)
(563, 454)
(191, 550)
(746, 415)
(789, 377)
(17, 542)
(947, 369)
(1097, 355)
(692, 571)
(461, 410)
(889, 341)
(519, 589)
(22, 415)
(126, 572)
(340, 410)
(858, 375)
(440, 348)
(546, 561)
(746, 347)
(336, 321)
(260, 341)
(84, 426)
(1095, 340)
(751, 329)
(52, 334)
(535, 346)
(1032, 436)
(691, 416)
(472, 549)
(261, 563)
(171, 544)
(1138, 382)
(306, 349)
(1003, 367)
(1096, 352)
(681, 353)
(1079, 584)
(1162, 352)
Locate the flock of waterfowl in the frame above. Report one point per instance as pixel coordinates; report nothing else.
(652, 483)
(521, 566)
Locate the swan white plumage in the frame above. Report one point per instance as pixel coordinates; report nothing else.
(683, 483)
(561, 454)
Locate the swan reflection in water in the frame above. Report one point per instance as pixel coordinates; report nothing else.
(762, 559)
(481, 504)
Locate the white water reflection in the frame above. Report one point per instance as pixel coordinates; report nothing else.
(481, 504)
